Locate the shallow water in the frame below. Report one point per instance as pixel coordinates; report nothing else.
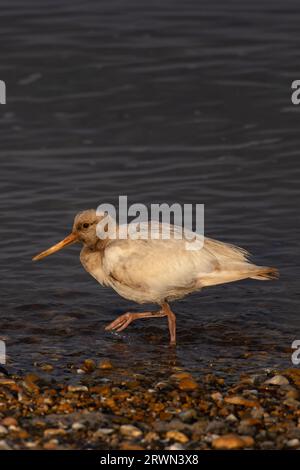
(165, 102)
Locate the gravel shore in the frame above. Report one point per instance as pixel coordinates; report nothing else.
(104, 410)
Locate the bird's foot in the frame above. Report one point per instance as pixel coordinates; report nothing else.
(124, 320)
(120, 323)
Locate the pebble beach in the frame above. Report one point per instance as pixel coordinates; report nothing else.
(106, 408)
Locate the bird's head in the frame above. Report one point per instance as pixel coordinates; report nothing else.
(84, 231)
(84, 227)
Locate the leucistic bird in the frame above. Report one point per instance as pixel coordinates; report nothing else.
(156, 270)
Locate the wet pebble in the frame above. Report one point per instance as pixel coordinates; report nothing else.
(130, 431)
(277, 380)
(241, 401)
(46, 367)
(188, 385)
(89, 365)
(232, 441)
(3, 430)
(175, 446)
(77, 388)
(293, 443)
(105, 364)
(54, 432)
(151, 436)
(51, 444)
(78, 426)
(231, 418)
(177, 436)
(188, 416)
(102, 432)
(9, 421)
(4, 445)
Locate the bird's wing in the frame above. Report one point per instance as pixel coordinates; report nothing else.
(156, 264)
(226, 253)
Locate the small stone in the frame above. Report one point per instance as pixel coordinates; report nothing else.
(241, 401)
(177, 436)
(9, 421)
(6, 381)
(3, 430)
(101, 432)
(31, 444)
(129, 446)
(77, 388)
(187, 416)
(248, 441)
(217, 396)
(161, 385)
(292, 403)
(292, 393)
(51, 445)
(232, 441)
(77, 426)
(175, 446)
(151, 436)
(14, 428)
(47, 367)
(4, 445)
(89, 365)
(188, 385)
(250, 392)
(54, 432)
(294, 375)
(231, 418)
(106, 365)
(292, 443)
(130, 431)
(248, 422)
(180, 376)
(277, 380)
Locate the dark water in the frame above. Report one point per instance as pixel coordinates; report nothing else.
(163, 101)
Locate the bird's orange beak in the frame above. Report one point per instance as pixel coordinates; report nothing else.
(69, 240)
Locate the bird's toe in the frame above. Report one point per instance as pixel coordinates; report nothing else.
(118, 323)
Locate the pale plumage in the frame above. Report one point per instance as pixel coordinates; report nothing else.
(157, 271)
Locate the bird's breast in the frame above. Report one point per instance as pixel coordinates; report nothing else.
(92, 263)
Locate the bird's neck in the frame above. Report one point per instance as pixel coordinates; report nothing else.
(91, 259)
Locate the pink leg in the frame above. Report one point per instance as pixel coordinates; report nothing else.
(171, 321)
(124, 320)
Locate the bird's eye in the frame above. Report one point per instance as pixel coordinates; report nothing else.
(85, 225)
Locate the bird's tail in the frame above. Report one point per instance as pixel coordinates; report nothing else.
(266, 273)
(237, 273)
